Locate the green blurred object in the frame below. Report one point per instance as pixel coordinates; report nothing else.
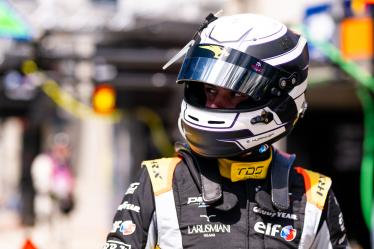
(11, 24)
(365, 92)
(367, 164)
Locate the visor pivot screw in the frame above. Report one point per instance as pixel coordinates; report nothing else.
(265, 117)
(293, 81)
(283, 84)
(275, 92)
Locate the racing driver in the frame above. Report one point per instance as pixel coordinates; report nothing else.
(244, 79)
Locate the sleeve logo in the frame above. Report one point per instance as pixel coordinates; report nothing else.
(132, 188)
(113, 244)
(127, 227)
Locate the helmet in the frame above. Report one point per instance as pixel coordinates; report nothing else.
(252, 55)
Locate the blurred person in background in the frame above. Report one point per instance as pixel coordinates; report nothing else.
(54, 186)
(244, 79)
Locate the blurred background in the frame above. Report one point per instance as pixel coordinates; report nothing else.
(83, 97)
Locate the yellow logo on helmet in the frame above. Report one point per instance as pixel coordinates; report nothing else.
(217, 50)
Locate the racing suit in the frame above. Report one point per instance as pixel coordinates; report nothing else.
(185, 202)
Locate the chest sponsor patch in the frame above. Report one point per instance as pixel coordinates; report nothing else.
(243, 172)
(197, 201)
(238, 171)
(288, 233)
(209, 230)
(277, 214)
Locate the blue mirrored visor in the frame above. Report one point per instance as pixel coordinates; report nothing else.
(230, 69)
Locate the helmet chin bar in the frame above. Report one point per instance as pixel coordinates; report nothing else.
(233, 135)
(225, 149)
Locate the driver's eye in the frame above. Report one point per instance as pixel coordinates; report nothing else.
(210, 90)
(236, 94)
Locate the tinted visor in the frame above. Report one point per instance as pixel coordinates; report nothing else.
(231, 69)
(195, 94)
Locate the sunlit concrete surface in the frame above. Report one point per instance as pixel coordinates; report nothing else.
(63, 234)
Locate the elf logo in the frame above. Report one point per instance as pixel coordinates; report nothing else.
(288, 232)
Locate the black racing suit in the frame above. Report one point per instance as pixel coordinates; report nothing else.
(244, 215)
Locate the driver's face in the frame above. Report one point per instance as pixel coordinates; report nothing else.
(217, 97)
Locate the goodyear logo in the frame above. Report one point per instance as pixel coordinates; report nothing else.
(217, 50)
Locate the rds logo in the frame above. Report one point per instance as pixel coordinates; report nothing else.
(288, 233)
(251, 171)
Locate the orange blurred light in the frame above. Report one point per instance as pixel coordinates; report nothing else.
(358, 6)
(356, 38)
(104, 99)
(28, 244)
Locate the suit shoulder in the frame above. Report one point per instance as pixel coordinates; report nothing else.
(161, 172)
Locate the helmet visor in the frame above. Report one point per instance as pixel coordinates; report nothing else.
(230, 69)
